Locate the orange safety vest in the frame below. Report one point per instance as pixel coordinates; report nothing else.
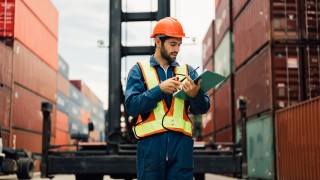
(161, 119)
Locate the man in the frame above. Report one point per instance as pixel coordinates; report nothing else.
(163, 128)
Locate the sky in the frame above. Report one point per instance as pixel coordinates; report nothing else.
(82, 23)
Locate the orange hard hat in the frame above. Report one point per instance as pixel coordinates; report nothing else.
(168, 26)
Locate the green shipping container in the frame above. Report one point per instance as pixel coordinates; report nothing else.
(260, 147)
(223, 56)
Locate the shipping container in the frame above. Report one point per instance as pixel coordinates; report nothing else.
(312, 70)
(297, 141)
(207, 123)
(208, 45)
(270, 80)
(217, 2)
(223, 106)
(63, 67)
(26, 110)
(20, 139)
(260, 151)
(224, 135)
(310, 19)
(5, 135)
(5, 104)
(86, 91)
(62, 102)
(7, 9)
(237, 6)
(63, 84)
(74, 126)
(46, 13)
(85, 116)
(32, 73)
(261, 22)
(75, 95)
(74, 110)
(62, 121)
(32, 33)
(6, 67)
(223, 56)
(222, 21)
(62, 137)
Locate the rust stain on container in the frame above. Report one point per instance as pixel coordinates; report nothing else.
(5, 102)
(222, 21)
(46, 13)
(222, 106)
(224, 135)
(38, 39)
(26, 140)
(297, 135)
(259, 23)
(208, 45)
(63, 84)
(62, 121)
(312, 70)
(26, 110)
(33, 73)
(5, 65)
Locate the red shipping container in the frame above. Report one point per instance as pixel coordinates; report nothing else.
(20, 139)
(62, 121)
(26, 110)
(297, 141)
(31, 32)
(5, 135)
(223, 106)
(62, 137)
(82, 87)
(208, 45)
(310, 20)
(208, 123)
(63, 84)
(224, 136)
(217, 2)
(7, 9)
(270, 80)
(5, 102)
(46, 13)
(5, 65)
(85, 116)
(32, 73)
(237, 6)
(222, 21)
(312, 70)
(259, 23)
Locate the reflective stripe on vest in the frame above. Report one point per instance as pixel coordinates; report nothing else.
(158, 121)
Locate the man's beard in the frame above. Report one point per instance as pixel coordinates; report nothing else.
(165, 55)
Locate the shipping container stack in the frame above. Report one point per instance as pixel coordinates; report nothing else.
(31, 31)
(276, 59)
(207, 129)
(90, 109)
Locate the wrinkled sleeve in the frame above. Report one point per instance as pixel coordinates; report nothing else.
(139, 100)
(201, 103)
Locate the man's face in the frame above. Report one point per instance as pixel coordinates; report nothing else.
(170, 49)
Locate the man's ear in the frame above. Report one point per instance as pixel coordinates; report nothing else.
(157, 41)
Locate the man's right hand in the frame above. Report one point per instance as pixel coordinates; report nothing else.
(170, 86)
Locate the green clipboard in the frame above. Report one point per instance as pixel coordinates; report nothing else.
(209, 80)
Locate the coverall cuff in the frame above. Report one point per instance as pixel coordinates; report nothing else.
(157, 93)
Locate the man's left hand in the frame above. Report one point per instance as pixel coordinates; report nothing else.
(190, 88)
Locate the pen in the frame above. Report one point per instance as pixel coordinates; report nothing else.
(189, 74)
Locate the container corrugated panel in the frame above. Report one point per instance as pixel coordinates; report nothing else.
(26, 110)
(310, 19)
(62, 102)
(63, 67)
(5, 135)
(86, 91)
(253, 81)
(62, 121)
(75, 95)
(207, 123)
(5, 102)
(297, 135)
(7, 9)
(260, 147)
(74, 110)
(85, 116)
(33, 73)
(222, 56)
(237, 5)
(6, 65)
(208, 44)
(86, 104)
(63, 84)
(30, 31)
(222, 21)
(222, 106)
(312, 70)
(20, 139)
(251, 30)
(46, 13)
(224, 136)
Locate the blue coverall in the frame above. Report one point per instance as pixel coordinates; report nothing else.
(167, 155)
